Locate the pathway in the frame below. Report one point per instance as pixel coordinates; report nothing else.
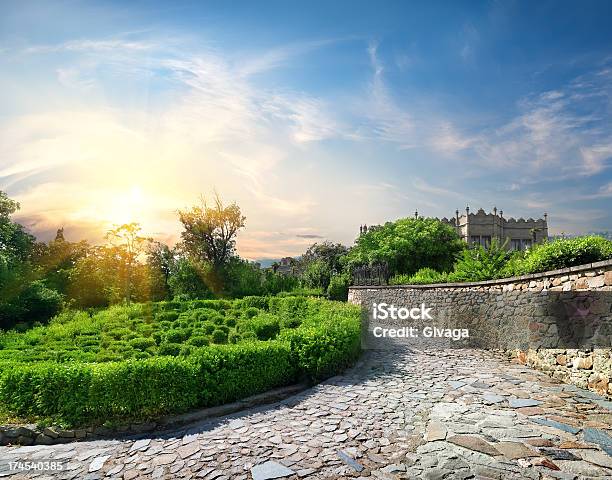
(453, 414)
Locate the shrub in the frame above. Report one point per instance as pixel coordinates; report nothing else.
(562, 253)
(328, 343)
(198, 341)
(166, 316)
(423, 277)
(172, 349)
(142, 343)
(478, 263)
(133, 377)
(338, 287)
(208, 327)
(219, 336)
(265, 326)
(258, 302)
(250, 312)
(175, 336)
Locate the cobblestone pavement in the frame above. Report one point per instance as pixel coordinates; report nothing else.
(440, 414)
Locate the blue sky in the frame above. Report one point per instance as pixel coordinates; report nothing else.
(314, 116)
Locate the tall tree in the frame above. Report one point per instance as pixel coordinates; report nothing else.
(161, 261)
(128, 245)
(209, 231)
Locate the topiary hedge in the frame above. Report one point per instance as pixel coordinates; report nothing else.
(76, 393)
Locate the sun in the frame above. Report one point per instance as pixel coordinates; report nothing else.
(127, 206)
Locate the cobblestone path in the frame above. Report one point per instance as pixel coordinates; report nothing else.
(440, 414)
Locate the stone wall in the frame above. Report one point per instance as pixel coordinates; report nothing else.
(558, 321)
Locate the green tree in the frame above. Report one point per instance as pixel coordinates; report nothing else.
(127, 245)
(161, 261)
(209, 231)
(408, 245)
(23, 297)
(317, 274)
(327, 252)
(58, 258)
(192, 279)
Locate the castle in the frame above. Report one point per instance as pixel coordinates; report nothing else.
(481, 228)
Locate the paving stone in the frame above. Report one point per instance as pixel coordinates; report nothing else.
(270, 470)
(435, 431)
(598, 458)
(553, 423)
(523, 402)
(140, 444)
(491, 398)
(514, 450)
(475, 443)
(350, 461)
(557, 454)
(98, 463)
(599, 437)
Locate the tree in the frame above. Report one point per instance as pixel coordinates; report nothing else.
(128, 245)
(327, 252)
(408, 245)
(58, 258)
(16, 245)
(317, 274)
(209, 233)
(192, 280)
(161, 261)
(23, 297)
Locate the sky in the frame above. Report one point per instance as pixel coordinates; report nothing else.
(314, 117)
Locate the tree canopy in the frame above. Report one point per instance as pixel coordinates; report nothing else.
(408, 245)
(209, 231)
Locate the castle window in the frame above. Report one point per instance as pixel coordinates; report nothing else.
(515, 244)
(526, 244)
(485, 241)
(474, 239)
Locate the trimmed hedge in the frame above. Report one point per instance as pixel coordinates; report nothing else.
(561, 253)
(68, 394)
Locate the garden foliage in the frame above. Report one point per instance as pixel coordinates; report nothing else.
(144, 360)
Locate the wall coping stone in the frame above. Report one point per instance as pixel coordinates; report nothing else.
(498, 281)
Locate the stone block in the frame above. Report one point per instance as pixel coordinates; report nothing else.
(583, 363)
(596, 282)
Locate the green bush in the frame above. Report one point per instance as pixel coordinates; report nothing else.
(561, 253)
(198, 341)
(338, 287)
(258, 302)
(171, 349)
(219, 336)
(175, 336)
(167, 316)
(142, 343)
(478, 263)
(265, 326)
(326, 343)
(424, 276)
(250, 312)
(82, 368)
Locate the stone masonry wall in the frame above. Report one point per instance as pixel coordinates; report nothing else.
(559, 322)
